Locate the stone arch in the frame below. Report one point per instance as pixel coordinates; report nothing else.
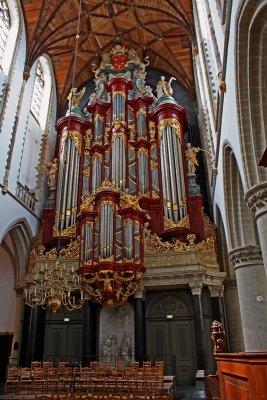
(251, 70)
(240, 223)
(14, 251)
(222, 247)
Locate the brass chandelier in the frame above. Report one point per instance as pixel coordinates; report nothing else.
(54, 285)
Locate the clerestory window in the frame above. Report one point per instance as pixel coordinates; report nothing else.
(4, 27)
(38, 91)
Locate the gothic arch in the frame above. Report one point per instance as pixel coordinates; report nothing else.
(251, 70)
(13, 9)
(14, 251)
(240, 222)
(222, 246)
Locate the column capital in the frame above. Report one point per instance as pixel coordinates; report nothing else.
(216, 290)
(256, 199)
(196, 288)
(140, 294)
(246, 256)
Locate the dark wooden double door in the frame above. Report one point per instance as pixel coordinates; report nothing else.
(173, 339)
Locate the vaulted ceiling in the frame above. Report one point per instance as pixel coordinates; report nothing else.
(160, 29)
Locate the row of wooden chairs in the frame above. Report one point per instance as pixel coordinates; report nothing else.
(47, 378)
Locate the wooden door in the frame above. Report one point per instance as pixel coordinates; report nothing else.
(63, 342)
(172, 339)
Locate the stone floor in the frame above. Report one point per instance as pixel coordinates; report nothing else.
(188, 393)
(180, 393)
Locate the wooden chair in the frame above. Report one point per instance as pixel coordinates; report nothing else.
(39, 380)
(51, 376)
(47, 365)
(26, 382)
(12, 380)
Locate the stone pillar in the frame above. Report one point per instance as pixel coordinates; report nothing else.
(196, 290)
(257, 201)
(35, 346)
(216, 292)
(252, 293)
(17, 330)
(140, 327)
(87, 334)
(232, 316)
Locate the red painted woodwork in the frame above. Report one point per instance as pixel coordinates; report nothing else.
(49, 221)
(242, 376)
(195, 212)
(72, 123)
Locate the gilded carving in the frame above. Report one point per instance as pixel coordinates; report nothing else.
(87, 203)
(72, 250)
(127, 200)
(76, 137)
(173, 123)
(183, 223)
(111, 288)
(70, 231)
(153, 244)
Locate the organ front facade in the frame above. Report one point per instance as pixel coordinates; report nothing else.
(124, 209)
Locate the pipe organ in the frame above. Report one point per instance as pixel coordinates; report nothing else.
(122, 169)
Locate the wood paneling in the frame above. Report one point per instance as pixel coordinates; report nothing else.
(242, 376)
(162, 29)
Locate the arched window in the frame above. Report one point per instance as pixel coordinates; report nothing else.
(38, 91)
(4, 26)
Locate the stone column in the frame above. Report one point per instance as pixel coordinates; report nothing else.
(257, 201)
(232, 316)
(87, 334)
(17, 330)
(140, 327)
(252, 293)
(196, 289)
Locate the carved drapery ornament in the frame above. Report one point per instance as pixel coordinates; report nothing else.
(173, 123)
(76, 137)
(68, 232)
(183, 223)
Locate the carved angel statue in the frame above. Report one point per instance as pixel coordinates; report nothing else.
(52, 173)
(164, 88)
(191, 158)
(75, 97)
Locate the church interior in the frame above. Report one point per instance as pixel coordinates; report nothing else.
(133, 199)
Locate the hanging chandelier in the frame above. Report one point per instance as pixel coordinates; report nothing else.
(53, 285)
